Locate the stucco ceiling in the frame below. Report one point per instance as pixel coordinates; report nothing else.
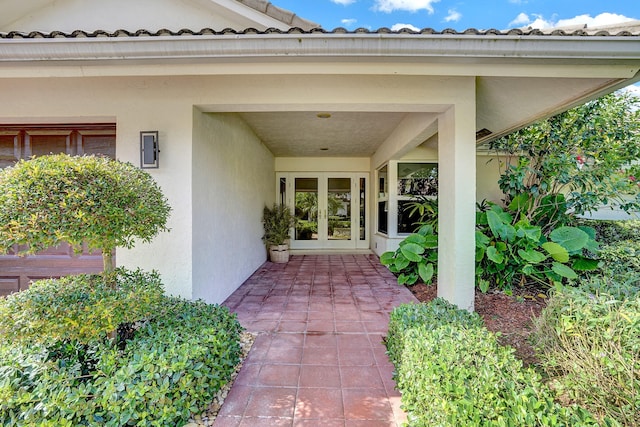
(503, 105)
(343, 134)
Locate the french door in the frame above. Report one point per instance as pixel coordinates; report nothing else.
(330, 208)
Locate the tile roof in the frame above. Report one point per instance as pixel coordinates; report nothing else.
(297, 30)
(280, 14)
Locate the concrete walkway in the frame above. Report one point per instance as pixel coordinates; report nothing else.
(318, 359)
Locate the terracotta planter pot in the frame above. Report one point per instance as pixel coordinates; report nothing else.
(279, 253)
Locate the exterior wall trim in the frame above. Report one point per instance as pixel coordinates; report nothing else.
(443, 47)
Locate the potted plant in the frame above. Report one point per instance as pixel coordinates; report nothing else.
(277, 221)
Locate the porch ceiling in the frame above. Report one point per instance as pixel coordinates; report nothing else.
(309, 133)
(503, 105)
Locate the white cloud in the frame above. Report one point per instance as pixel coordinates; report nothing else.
(518, 1)
(524, 20)
(344, 2)
(599, 20)
(521, 19)
(349, 22)
(453, 16)
(398, 27)
(539, 22)
(389, 6)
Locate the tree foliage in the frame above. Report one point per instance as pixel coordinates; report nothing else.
(574, 162)
(97, 201)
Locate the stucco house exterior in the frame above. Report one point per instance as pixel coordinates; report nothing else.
(253, 104)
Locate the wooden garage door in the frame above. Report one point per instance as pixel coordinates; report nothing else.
(23, 142)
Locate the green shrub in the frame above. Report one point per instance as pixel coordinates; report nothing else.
(277, 222)
(305, 229)
(620, 248)
(588, 340)
(416, 257)
(510, 250)
(609, 232)
(78, 308)
(409, 316)
(451, 371)
(424, 210)
(170, 363)
(91, 200)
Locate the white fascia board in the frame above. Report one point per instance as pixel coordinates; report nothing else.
(335, 49)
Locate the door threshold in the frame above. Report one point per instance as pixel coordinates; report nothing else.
(330, 251)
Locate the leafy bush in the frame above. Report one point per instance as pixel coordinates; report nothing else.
(425, 210)
(588, 340)
(102, 202)
(451, 371)
(416, 257)
(277, 222)
(170, 363)
(78, 308)
(306, 229)
(575, 161)
(609, 232)
(431, 316)
(511, 250)
(620, 248)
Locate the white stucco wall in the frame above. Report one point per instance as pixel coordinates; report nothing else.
(233, 180)
(488, 172)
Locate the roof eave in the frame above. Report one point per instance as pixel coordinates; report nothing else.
(447, 47)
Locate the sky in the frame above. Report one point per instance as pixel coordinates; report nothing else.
(461, 14)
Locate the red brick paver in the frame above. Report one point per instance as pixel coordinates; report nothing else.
(318, 359)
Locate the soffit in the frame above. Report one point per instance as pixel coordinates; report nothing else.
(506, 104)
(304, 134)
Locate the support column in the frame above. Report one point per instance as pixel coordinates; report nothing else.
(456, 203)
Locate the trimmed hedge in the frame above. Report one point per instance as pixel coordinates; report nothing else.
(451, 371)
(81, 307)
(165, 367)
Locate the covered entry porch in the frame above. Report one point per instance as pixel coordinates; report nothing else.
(329, 141)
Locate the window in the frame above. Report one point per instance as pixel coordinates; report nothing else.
(383, 199)
(416, 182)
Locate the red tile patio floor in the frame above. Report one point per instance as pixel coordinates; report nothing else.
(318, 359)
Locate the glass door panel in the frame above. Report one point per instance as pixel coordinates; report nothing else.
(339, 209)
(330, 209)
(306, 208)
